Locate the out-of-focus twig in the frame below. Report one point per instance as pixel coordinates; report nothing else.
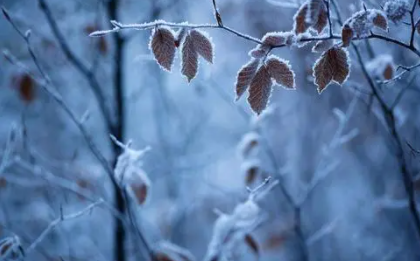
(87, 73)
(60, 219)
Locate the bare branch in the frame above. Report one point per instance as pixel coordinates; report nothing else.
(60, 219)
(77, 63)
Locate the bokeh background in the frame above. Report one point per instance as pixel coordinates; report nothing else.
(356, 209)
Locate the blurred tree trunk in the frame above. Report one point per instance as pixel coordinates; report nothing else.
(119, 127)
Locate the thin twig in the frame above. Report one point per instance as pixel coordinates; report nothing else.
(390, 121)
(217, 14)
(60, 219)
(77, 63)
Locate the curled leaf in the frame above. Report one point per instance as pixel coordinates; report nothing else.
(162, 44)
(333, 65)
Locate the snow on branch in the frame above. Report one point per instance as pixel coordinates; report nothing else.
(232, 229)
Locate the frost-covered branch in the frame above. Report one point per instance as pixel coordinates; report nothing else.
(60, 219)
(46, 85)
(389, 117)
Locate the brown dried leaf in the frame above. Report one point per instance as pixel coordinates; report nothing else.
(275, 241)
(162, 44)
(333, 65)
(245, 76)
(251, 175)
(388, 72)
(189, 58)
(4, 247)
(314, 9)
(26, 88)
(250, 241)
(346, 35)
(260, 90)
(140, 192)
(202, 45)
(300, 25)
(258, 52)
(322, 20)
(281, 72)
(273, 39)
(380, 21)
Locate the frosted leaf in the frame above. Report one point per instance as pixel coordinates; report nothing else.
(245, 76)
(274, 38)
(260, 90)
(379, 20)
(11, 248)
(246, 214)
(333, 65)
(252, 243)
(363, 21)
(248, 144)
(300, 24)
(396, 9)
(382, 67)
(322, 46)
(259, 52)
(223, 231)
(346, 35)
(322, 21)
(162, 44)
(165, 251)
(189, 63)
(312, 14)
(317, 15)
(127, 160)
(250, 169)
(281, 72)
(137, 183)
(314, 9)
(202, 44)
